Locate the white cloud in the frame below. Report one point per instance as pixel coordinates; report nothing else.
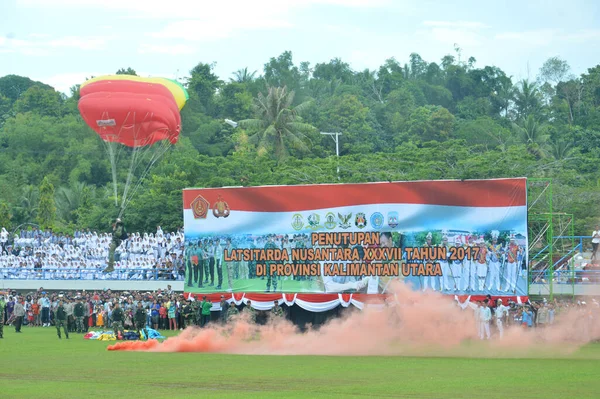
(540, 37)
(462, 33)
(45, 47)
(177, 49)
(547, 37)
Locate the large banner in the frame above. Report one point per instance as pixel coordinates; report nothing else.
(457, 237)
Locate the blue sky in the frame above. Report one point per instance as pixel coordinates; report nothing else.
(60, 42)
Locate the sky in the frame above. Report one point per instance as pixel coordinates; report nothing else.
(61, 42)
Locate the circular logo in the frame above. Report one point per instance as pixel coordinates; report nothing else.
(297, 221)
(377, 220)
(330, 221)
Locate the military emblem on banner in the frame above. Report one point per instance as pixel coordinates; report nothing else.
(330, 221)
(297, 221)
(361, 220)
(344, 220)
(200, 207)
(392, 218)
(221, 209)
(377, 220)
(313, 221)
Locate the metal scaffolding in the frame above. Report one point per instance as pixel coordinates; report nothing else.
(551, 240)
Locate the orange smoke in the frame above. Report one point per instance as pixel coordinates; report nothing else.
(426, 324)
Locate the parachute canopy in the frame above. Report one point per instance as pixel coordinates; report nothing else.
(131, 110)
(136, 118)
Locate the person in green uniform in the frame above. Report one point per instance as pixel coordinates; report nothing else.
(196, 313)
(61, 319)
(277, 311)
(79, 312)
(140, 318)
(118, 235)
(118, 316)
(188, 314)
(232, 311)
(270, 277)
(205, 306)
(2, 306)
(250, 312)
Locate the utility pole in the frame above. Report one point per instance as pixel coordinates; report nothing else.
(335, 137)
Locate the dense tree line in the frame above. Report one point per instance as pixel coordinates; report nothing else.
(418, 120)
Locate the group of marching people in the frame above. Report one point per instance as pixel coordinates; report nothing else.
(494, 266)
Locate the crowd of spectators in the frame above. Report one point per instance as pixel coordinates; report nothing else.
(165, 309)
(35, 254)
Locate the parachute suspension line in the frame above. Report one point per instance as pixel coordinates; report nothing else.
(113, 162)
(113, 165)
(163, 147)
(135, 159)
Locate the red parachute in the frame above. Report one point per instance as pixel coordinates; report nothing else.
(139, 113)
(129, 112)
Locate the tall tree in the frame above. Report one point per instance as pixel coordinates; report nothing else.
(278, 125)
(47, 208)
(527, 99)
(5, 215)
(533, 134)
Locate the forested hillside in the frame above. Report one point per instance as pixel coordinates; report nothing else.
(405, 121)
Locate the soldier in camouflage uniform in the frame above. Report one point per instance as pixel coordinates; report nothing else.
(232, 312)
(188, 314)
(61, 319)
(79, 312)
(196, 312)
(140, 318)
(118, 235)
(118, 316)
(2, 306)
(250, 312)
(277, 311)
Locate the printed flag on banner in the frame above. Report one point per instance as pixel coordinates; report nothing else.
(451, 236)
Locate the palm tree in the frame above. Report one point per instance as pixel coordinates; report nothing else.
(278, 125)
(527, 98)
(533, 135)
(561, 150)
(243, 76)
(28, 203)
(70, 199)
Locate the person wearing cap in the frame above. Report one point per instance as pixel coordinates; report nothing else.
(232, 311)
(118, 317)
(79, 313)
(500, 314)
(512, 258)
(188, 314)
(277, 311)
(44, 303)
(224, 308)
(250, 312)
(61, 319)
(118, 235)
(140, 318)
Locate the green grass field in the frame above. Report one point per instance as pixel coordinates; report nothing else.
(37, 364)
